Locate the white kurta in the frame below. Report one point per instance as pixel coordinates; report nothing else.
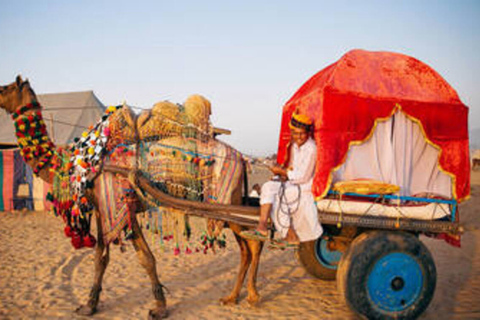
(297, 207)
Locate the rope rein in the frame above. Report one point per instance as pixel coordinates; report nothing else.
(285, 207)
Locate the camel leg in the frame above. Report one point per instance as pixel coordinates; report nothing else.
(250, 251)
(245, 259)
(255, 248)
(102, 257)
(147, 260)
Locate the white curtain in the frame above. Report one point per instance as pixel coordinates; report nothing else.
(397, 153)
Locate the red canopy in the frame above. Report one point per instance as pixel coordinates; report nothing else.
(346, 98)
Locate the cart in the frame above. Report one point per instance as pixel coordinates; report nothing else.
(385, 117)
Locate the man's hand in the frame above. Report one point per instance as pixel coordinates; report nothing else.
(279, 171)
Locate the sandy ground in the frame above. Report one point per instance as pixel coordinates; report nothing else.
(43, 277)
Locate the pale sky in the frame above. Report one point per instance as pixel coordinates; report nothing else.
(247, 57)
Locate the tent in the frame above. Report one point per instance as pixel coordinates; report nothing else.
(66, 115)
(402, 113)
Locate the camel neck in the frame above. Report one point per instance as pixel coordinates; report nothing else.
(36, 147)
(26, 109)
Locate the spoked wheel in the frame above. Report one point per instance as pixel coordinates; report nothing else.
(318, 259)
(387, 275)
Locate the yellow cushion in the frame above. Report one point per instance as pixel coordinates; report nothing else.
(365, 187)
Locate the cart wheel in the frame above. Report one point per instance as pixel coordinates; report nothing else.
(318, 259)
(387, 275)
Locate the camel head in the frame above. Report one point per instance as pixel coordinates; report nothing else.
(16, 94)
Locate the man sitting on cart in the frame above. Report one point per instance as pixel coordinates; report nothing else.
(288, 198)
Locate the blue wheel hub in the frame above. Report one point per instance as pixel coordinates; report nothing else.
(327, 258)
(395, 282)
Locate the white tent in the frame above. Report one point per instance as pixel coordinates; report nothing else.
(67, 115)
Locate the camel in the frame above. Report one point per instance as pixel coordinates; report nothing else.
(16, 99)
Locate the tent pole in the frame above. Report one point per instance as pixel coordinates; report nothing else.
(53, 128)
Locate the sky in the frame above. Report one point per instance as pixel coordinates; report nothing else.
(247, 57)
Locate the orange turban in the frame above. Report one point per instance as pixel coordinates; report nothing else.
(301, 121)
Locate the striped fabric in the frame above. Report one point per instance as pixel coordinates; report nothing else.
(2, 205)
(115, 204)
(230, 173)
(7, 170)
(14, 172)
(22, 175)
(227, 172)
(29, 180)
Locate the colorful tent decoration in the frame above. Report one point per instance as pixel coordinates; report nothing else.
(348, 98)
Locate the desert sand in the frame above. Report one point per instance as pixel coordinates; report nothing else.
(43, 277)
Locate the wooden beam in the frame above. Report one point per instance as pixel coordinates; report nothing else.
(219, 131)
(377, 222)
(217, 209)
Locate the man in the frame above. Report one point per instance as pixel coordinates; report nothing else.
(256, 191)
(288, 198)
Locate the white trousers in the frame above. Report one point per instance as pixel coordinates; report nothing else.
(292, 207)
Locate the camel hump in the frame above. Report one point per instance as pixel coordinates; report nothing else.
(143, 117)
(166, 109)
(164, 120)
(198, 110)
(122, 127)
(129, 115)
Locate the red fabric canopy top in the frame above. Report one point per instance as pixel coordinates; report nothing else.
(346, 98)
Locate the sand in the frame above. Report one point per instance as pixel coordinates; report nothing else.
(43, 277)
